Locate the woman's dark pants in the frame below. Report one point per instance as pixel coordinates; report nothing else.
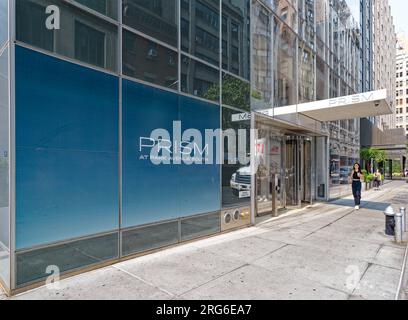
(357, 192)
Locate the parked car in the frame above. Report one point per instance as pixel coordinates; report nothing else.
(241, 182)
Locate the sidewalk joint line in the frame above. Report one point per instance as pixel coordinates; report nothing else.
(144, 281)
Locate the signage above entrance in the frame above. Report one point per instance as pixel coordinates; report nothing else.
(362, 105)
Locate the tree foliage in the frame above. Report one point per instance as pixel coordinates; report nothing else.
(235, 92)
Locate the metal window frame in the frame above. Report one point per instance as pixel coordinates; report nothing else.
(12, 145)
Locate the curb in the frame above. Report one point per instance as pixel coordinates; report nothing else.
(403, 282)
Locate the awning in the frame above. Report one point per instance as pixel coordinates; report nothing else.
(362, 105)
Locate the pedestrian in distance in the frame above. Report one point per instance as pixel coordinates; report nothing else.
(356, 178)
(377, 180)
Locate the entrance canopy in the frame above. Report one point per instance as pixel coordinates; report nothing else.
(362, 105)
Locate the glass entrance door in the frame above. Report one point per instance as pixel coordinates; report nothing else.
(307, 171)
(298, 171)
(268, 177)
(292, 172)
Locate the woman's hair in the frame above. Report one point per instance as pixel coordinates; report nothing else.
(359, 167)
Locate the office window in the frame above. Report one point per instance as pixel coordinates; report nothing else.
(236, 37)
(261, 58)
(200, 79)
(285, 66)
(201, 39)
(106, 7)
(82, 36)
(148, 61)
(157, 18)
(30, 25)
(89, 44)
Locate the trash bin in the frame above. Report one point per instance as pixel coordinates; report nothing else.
(389, 221)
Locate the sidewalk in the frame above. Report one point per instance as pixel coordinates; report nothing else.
(328, 251)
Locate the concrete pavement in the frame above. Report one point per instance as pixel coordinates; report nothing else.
(328, 251)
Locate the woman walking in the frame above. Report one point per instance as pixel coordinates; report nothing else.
(356, 178)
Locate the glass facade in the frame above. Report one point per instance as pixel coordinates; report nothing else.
(81, 36)
(4, 147)
(157, 19)
(315, 50)
(95, 97)
(147, 66)
(148, 61)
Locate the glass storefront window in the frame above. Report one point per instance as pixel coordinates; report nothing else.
(148, 61)
(236, 178)
(236, 37)
(200, 29)
(157, 18)
(106, 7)
(81, 36)
(199, 79)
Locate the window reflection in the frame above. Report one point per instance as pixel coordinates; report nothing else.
(284, 65)
(306, 75)
(200, 28)
(261, 97)
(82, 36)
(4, 169)
(157, 18)
(148, 61)
(236, 176)
(106, 7)
(236, 37)
(199, 79)
(235, 92)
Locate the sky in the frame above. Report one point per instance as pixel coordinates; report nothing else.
(355, 8)
(399, 10)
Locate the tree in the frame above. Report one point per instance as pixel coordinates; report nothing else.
(369, 154)
(235, 92)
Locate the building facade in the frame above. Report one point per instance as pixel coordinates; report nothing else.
(101, 106)
(367, 43)
(384, 57)
(401, 84)
(378, 32)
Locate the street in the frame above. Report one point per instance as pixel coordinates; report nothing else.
(327, 251)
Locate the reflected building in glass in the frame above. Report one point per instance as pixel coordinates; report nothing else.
(312, 53)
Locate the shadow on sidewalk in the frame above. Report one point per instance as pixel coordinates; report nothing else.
(378, 206)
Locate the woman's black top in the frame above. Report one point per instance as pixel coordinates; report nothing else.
(355, 176)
